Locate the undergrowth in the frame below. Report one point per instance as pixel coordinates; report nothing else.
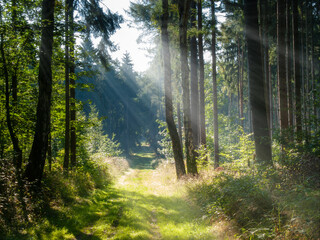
(264, 203)
(60, 208)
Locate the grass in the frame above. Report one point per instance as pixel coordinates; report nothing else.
(142, 204)
(261, 205)
(157, 210)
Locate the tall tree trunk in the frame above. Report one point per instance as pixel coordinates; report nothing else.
(306, 87)
(73, 141)
(297, 71)
(267, 77)
(194, 77)
(184, 7)
(241, 89)
(289, 64)
(270, 100)
(313, 84)
(214, 86)
(257, 100)
(35, 166)
(176, 144)
(203, 140)
(67, 90)
(283, 104)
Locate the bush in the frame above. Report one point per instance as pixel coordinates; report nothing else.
(237, 198)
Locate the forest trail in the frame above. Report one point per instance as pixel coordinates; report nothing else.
(150, 205)
(156, 211)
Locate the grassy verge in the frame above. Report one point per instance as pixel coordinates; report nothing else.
(68, 207)
(261, 203)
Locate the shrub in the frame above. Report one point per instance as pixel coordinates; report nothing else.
(237, 198)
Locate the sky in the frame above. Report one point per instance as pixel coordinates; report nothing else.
(126, 37)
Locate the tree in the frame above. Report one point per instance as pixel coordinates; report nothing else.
(201, 78)
(283, 103)
(176, 144)
(184, 7)
(101, 24)
(214, 87)
(35, 166)
(67, 88)
(296, 67)
(194, 77)
(257, 100)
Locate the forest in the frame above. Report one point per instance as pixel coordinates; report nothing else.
(219, 138)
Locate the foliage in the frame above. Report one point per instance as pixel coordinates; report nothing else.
(263, 202)
(165, 145)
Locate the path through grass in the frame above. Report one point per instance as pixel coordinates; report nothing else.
(142, 204)
(152, 205)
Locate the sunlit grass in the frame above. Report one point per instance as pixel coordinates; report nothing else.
(142, 204)
(157, 201)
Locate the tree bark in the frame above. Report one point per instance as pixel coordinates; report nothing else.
(257, 100)
(179, 123)
(176, 144)
(73, 140)
(283, 104)
(203, 140)
(297, 71)
(35, 166)
(289, 65)
(214, 88)
(184, 7)
(194, 78)
(67, 90)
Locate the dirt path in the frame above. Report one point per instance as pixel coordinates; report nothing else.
(154, 207)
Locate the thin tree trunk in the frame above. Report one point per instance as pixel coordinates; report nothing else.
(283, 104)
(214, 86)
(35, 166)
(270, 100)
(73, 140)
(306, 87)
(289, 65)
(194, 78)
(266, 21)
(241, 89)
(184, 6)
(176, 144)
(297, 71)
(257, 100)
(67, 91)
(303, 100)
(203, 140)
(313, 84)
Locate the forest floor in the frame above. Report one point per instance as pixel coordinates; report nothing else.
(142, 203)
(149, 203)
